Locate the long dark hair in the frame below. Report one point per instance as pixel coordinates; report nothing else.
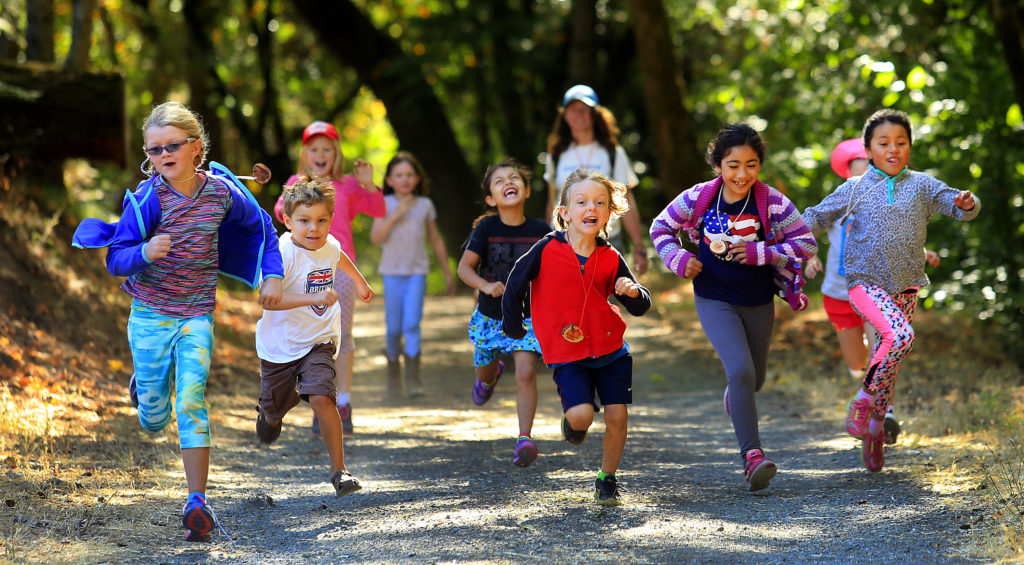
(422, 189)
(606, 132)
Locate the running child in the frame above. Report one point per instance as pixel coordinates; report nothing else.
(580, 334)
(498, 239)
(890, 205)
(750, 246)
(856, 338)
(410, 222)
(354, 194)
(295, 338)
(179, 227)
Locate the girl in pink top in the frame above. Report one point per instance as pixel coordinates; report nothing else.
(354, 194)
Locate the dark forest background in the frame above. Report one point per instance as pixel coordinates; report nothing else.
(462, 83)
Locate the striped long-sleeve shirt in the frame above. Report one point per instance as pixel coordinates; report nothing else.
(788, 241)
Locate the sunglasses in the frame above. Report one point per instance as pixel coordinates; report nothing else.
(170, 147)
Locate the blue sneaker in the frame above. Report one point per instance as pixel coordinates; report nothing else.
(481, 392)
(526, 452)
(198, 520)
(133, 392)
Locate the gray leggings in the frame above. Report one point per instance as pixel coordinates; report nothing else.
(740, 336)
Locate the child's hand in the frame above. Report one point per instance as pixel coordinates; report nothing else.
(270, 292)
(624, 286)
(158, 247)
(738, 252)
(693, 268)
(931, 257)
(366, 293)
(495, 289)
(403, 206)
(363, 172)
(964, 200)
(330, 297)
(813, 267)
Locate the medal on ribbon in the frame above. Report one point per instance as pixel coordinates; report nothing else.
(572, 333)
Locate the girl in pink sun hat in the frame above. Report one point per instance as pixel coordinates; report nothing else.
(355, 194)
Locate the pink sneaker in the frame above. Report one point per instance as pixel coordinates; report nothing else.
(872, 451)
(759, 470)
(857, 414)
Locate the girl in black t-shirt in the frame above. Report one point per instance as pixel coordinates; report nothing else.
(498, 239)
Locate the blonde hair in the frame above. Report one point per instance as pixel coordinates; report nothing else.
(616, 196)
(177, 115)
(337, 169)
(307, 191)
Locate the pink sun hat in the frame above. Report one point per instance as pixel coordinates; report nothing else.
(845, 152)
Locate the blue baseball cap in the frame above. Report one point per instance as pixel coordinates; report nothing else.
(580, 92)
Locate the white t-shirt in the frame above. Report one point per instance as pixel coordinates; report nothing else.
(591, 156)
(404, 251)
(283, 336)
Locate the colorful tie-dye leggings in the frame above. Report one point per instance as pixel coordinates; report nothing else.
(158, 341)
(891, 315)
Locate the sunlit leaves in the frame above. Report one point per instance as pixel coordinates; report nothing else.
(1013, 116)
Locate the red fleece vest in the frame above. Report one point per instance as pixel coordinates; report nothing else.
(557, 300)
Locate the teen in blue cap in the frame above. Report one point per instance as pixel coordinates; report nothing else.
(585, 136)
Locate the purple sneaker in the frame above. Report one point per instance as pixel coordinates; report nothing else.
(526, 452)
(481, 392)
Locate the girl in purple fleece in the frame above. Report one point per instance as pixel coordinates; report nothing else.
(746, 243)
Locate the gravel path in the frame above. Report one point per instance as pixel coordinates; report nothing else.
(439, 485)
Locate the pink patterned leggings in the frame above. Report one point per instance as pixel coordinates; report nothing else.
(891, 315)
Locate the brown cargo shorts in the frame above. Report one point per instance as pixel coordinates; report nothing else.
(284, 384)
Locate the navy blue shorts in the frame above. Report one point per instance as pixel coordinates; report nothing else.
(613, 383)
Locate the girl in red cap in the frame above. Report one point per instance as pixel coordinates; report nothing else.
(355, 194)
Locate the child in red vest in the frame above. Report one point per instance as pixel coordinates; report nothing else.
(570, 274)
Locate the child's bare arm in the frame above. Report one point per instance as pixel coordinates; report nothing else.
(467, 273)
(290, 300)
(346, 266)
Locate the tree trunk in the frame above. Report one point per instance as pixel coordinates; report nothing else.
(39, 31)
(581, 48)
(679, 163)
(81, 35)
(48, 115)
(1008, 17)
(413, 109)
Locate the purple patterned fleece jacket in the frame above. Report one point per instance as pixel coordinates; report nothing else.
(788, 241)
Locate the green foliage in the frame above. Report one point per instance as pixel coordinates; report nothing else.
(806, 74)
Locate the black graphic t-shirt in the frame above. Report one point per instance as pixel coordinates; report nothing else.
(499, 246)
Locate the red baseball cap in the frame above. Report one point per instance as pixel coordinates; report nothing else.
(319, 128)
(845, 152)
